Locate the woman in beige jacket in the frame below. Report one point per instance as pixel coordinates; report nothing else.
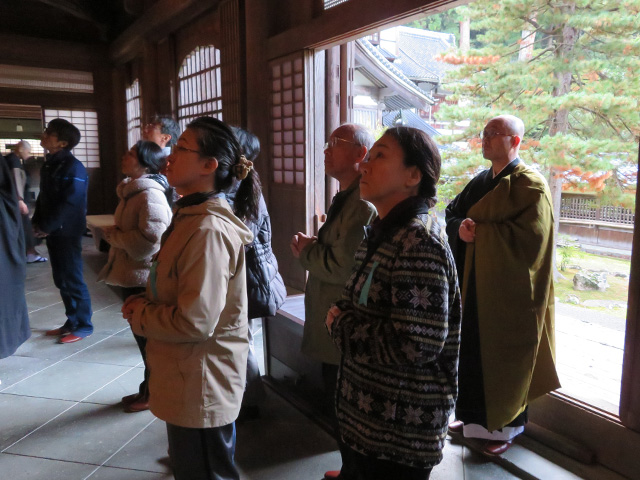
(194, 311)
(142, 216)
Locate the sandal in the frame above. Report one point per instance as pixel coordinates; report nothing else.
(35, 259)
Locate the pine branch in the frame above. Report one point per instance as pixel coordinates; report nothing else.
(496, 99)
(546, 50)
(603, 118)
(625, 125)
(537, 26)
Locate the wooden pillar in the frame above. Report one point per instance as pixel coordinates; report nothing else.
(167, 77)
(315, 175)
(232, 68)
(102, 196)
(346, 81)
(630, 395)
(257, 85)
(149, 81)
(332, 115)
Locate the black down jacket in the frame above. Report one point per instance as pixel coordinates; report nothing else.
(265, 287)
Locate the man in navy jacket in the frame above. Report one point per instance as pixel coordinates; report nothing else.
(60, 217)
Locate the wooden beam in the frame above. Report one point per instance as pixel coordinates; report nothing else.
(48, 53)
(73, 8)
(134, 7)
(352, 20)
(48, 99)
(163, 18)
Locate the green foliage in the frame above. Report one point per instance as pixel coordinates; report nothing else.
(601, 100)
(568, 250)
(618, 287)
(446, 22)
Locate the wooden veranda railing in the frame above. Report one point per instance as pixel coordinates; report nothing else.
(589, 209)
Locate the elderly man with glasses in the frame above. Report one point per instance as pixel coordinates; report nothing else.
(500, 230)
(329, 257)
(162, 130)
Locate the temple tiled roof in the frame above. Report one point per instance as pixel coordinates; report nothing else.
(408, 119)
(417, 50)
(374, 54)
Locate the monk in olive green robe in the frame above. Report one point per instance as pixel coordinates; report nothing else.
(501, 232)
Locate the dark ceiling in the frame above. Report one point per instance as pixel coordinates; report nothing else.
(85, 21)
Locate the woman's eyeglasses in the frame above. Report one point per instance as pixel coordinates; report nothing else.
(177, 149)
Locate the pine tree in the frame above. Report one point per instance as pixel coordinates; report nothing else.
(571, 70)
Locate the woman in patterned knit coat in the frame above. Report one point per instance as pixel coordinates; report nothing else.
(398, 323)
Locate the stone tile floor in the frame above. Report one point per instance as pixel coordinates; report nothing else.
(60, 417)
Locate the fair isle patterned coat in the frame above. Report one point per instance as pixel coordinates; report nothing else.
(399, 336)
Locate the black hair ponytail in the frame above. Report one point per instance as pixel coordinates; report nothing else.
(217, 140)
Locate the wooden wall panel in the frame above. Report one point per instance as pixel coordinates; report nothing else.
(291, 202)
(201, 32)
(232, 65)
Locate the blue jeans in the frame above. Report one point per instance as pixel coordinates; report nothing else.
(65, 254)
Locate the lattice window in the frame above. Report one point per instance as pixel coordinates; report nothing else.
(7, 144)
(199, 86)
(287, 122)
(579, 208)
(613, 214)
(88, 150)
(332, 3)
(133, 113)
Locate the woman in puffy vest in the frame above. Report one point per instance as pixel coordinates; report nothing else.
(265, 288)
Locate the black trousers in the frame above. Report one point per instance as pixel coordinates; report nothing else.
(143, 389)
(65, 254)
(356, 466)
(329, 381)
(203, 453)
(29, 239)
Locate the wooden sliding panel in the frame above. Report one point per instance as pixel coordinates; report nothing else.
(87, 150)
(291, 151)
